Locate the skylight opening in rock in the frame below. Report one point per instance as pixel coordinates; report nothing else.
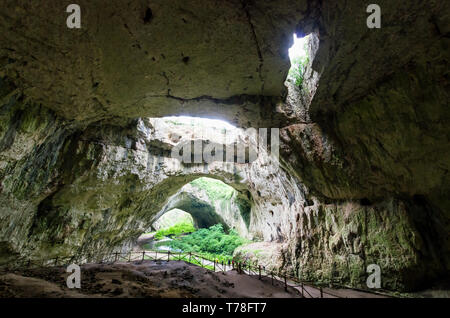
(199, 121)
(298, 49)
(298, 55)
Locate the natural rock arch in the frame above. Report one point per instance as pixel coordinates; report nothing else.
(232, 212)
(105, 187)
(351, 148)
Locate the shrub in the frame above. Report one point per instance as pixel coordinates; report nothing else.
(215, 189)
(297, 70)
(177, 229)
(212, 242)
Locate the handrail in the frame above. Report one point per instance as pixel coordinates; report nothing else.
(241, 267)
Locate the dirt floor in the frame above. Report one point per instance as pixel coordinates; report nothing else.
(172, 279)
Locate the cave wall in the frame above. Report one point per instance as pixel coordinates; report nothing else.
(335, 241)
(84, 191)
(205, 57)
(365, 151)
(374, 134)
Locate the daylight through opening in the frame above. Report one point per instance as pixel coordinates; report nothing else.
(298, 55)
(206, 216)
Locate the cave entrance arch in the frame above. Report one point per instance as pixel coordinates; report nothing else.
(210, 201)
(212, 192)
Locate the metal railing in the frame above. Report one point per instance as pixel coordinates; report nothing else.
(302, 286)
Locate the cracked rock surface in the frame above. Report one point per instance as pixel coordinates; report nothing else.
(364, 151)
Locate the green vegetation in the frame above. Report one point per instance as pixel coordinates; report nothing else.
(177, 229)
(196, 262)
(298, 68)
(172, 218)
(212, 243)
(215, 189)
(194, 122)
(177, 123)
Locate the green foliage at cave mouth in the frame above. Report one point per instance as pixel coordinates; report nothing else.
(215, 189)
(171, 218)
(297, 71)
(212, 242)
(175, 230)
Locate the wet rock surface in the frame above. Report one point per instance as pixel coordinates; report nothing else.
(364, 143)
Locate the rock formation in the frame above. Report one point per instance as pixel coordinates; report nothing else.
(231, 211)
(364, 155)
(172, 218)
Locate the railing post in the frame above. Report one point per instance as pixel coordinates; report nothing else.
(117, 255)
(321, 292)
(190, 255)
(259, 268)
(214, 265)
(56, 261)
(143, 255)
(302, 290)
(285, 283)
(271, 274)
(168, 255)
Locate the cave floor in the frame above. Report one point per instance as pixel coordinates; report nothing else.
(174, 279)
(162, 279)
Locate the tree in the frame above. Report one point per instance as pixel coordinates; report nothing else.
(297, 70)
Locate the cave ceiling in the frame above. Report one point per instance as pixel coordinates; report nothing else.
(139, 58)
